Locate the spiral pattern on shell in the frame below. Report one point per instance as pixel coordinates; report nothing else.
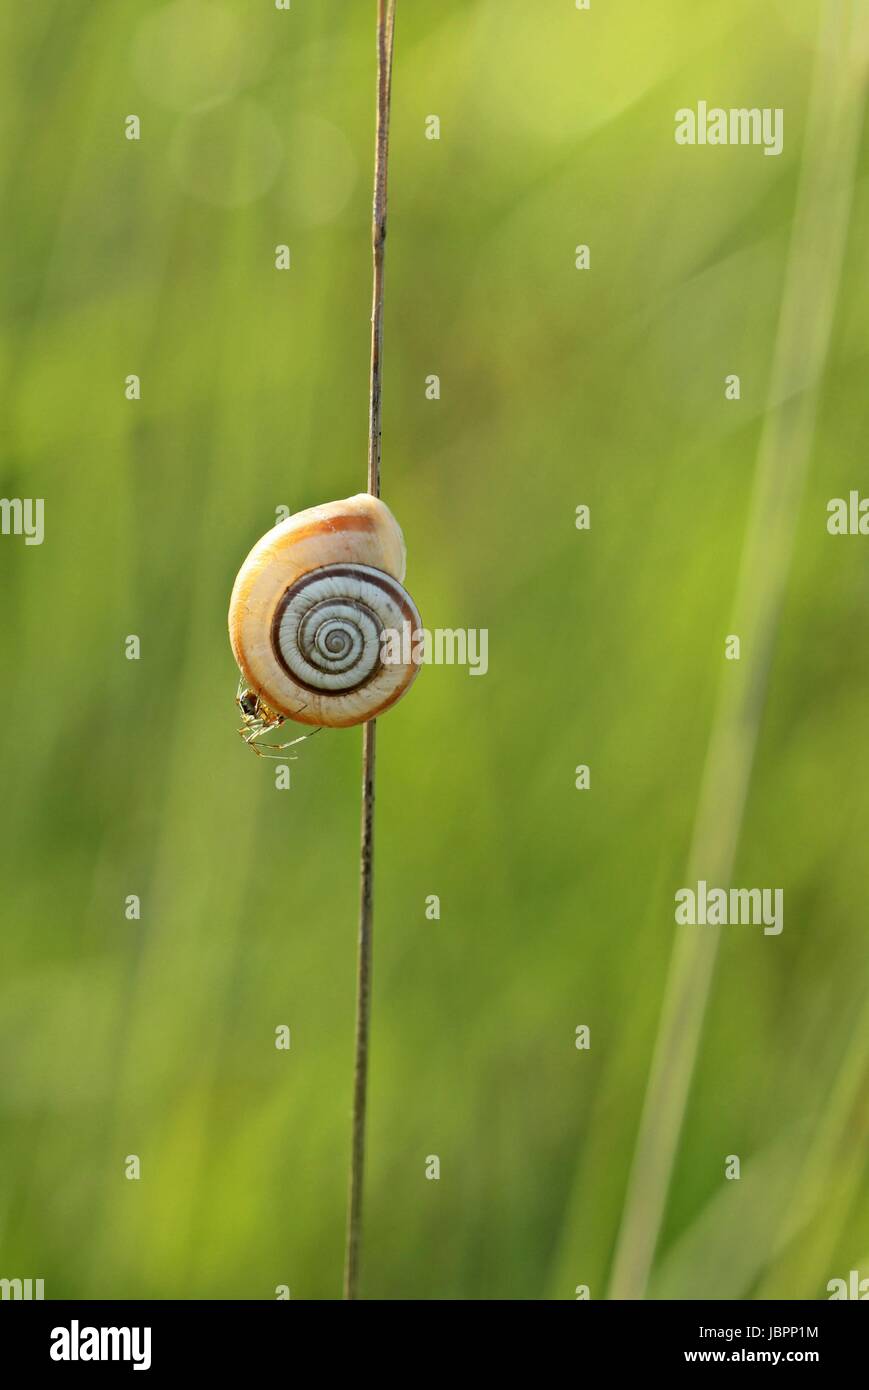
(328, 626)
(310, 608)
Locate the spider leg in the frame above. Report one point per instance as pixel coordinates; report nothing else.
(256, 727)
(293, 741)
(266, 749)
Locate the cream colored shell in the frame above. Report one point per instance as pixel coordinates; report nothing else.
(308, 609)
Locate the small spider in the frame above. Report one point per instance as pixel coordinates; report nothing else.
(259, 719)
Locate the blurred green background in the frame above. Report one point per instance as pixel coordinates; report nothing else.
(558, 387)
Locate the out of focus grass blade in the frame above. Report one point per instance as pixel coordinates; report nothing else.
(810, 295)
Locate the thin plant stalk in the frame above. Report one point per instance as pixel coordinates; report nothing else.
(385, 29)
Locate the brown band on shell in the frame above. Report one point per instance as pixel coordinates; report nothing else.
(347, 521)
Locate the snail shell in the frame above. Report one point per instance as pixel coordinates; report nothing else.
(308, 609)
